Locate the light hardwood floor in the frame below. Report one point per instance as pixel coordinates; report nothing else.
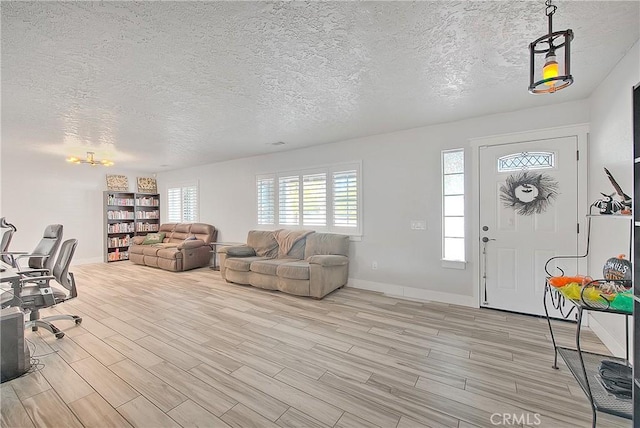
(161, 349)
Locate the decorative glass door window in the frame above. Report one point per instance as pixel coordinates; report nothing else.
(526, 160)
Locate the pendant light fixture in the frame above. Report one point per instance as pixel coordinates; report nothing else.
(546, 73)
(91, 160)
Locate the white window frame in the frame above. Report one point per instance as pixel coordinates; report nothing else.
(329, 170)
(183, 187)
(453, 263)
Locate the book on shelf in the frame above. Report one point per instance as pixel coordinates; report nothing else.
(119, 241)
(147, 227)
(118, 255)
(120, 215)
(120, 228)
(113, 200)
(147, 201)
(147, 215)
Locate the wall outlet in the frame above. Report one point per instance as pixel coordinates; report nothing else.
(418, 225)
(374, 265)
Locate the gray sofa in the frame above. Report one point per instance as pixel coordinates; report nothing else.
(184, 246)
(303, 263)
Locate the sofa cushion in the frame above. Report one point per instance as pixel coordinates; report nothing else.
(263, 242)
(239, 251)
(150, 250)
(169, 253)
(138, 240)
(241, 264)
(153, 238)
(167, 228)
(173, 265)
(294, 270)
(192, 243)
(326, 243)
(268, 267)
(203, 231)
(180, 232)
(136, 249)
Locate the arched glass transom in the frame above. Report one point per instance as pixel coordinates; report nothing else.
(526, 160)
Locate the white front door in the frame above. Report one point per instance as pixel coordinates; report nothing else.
(528, 214)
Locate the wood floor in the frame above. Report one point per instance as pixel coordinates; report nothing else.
(161, 349)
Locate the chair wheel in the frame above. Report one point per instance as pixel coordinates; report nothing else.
(59, 335)
(78, 321)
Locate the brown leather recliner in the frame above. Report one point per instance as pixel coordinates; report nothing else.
(185, 246)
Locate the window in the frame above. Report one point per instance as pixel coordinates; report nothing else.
(345, 198)
(289, 197)
(266, 200)
(526, 160)
(453, 243)
(182, 203)
(323, 199)
(314, 199)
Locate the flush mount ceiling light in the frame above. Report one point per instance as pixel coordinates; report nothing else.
(90, 159)
(552, 71)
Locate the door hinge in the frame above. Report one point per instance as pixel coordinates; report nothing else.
(577, 155)
(578, 228)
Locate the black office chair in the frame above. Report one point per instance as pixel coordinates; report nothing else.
(42, 294)
(43, 255)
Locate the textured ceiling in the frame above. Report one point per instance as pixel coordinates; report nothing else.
(187, 83)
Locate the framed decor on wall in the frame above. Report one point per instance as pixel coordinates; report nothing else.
(118, 183)
(147, 185)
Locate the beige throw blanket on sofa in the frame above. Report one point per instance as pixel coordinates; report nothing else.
(287, 238)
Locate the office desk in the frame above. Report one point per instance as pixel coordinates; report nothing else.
(15, 359)
(10, 275)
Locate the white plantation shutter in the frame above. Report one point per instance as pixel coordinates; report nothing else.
(190, 204)
(345, 199)
(182, 203)
(314, 199)
(174, 204)
(266, 200)
(289, 200)
(325, 199)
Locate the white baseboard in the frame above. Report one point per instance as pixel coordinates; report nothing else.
(412, 293)
(609, 341)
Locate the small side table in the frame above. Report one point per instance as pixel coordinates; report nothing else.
(214, 249)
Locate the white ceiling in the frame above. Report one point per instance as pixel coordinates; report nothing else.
(186, 83)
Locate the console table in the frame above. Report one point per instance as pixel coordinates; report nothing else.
(214, 249)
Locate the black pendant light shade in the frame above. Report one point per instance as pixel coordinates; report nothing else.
(550, 59)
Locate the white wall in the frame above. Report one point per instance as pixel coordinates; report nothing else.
(611, 146)
(38, 190)
(401, 178)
